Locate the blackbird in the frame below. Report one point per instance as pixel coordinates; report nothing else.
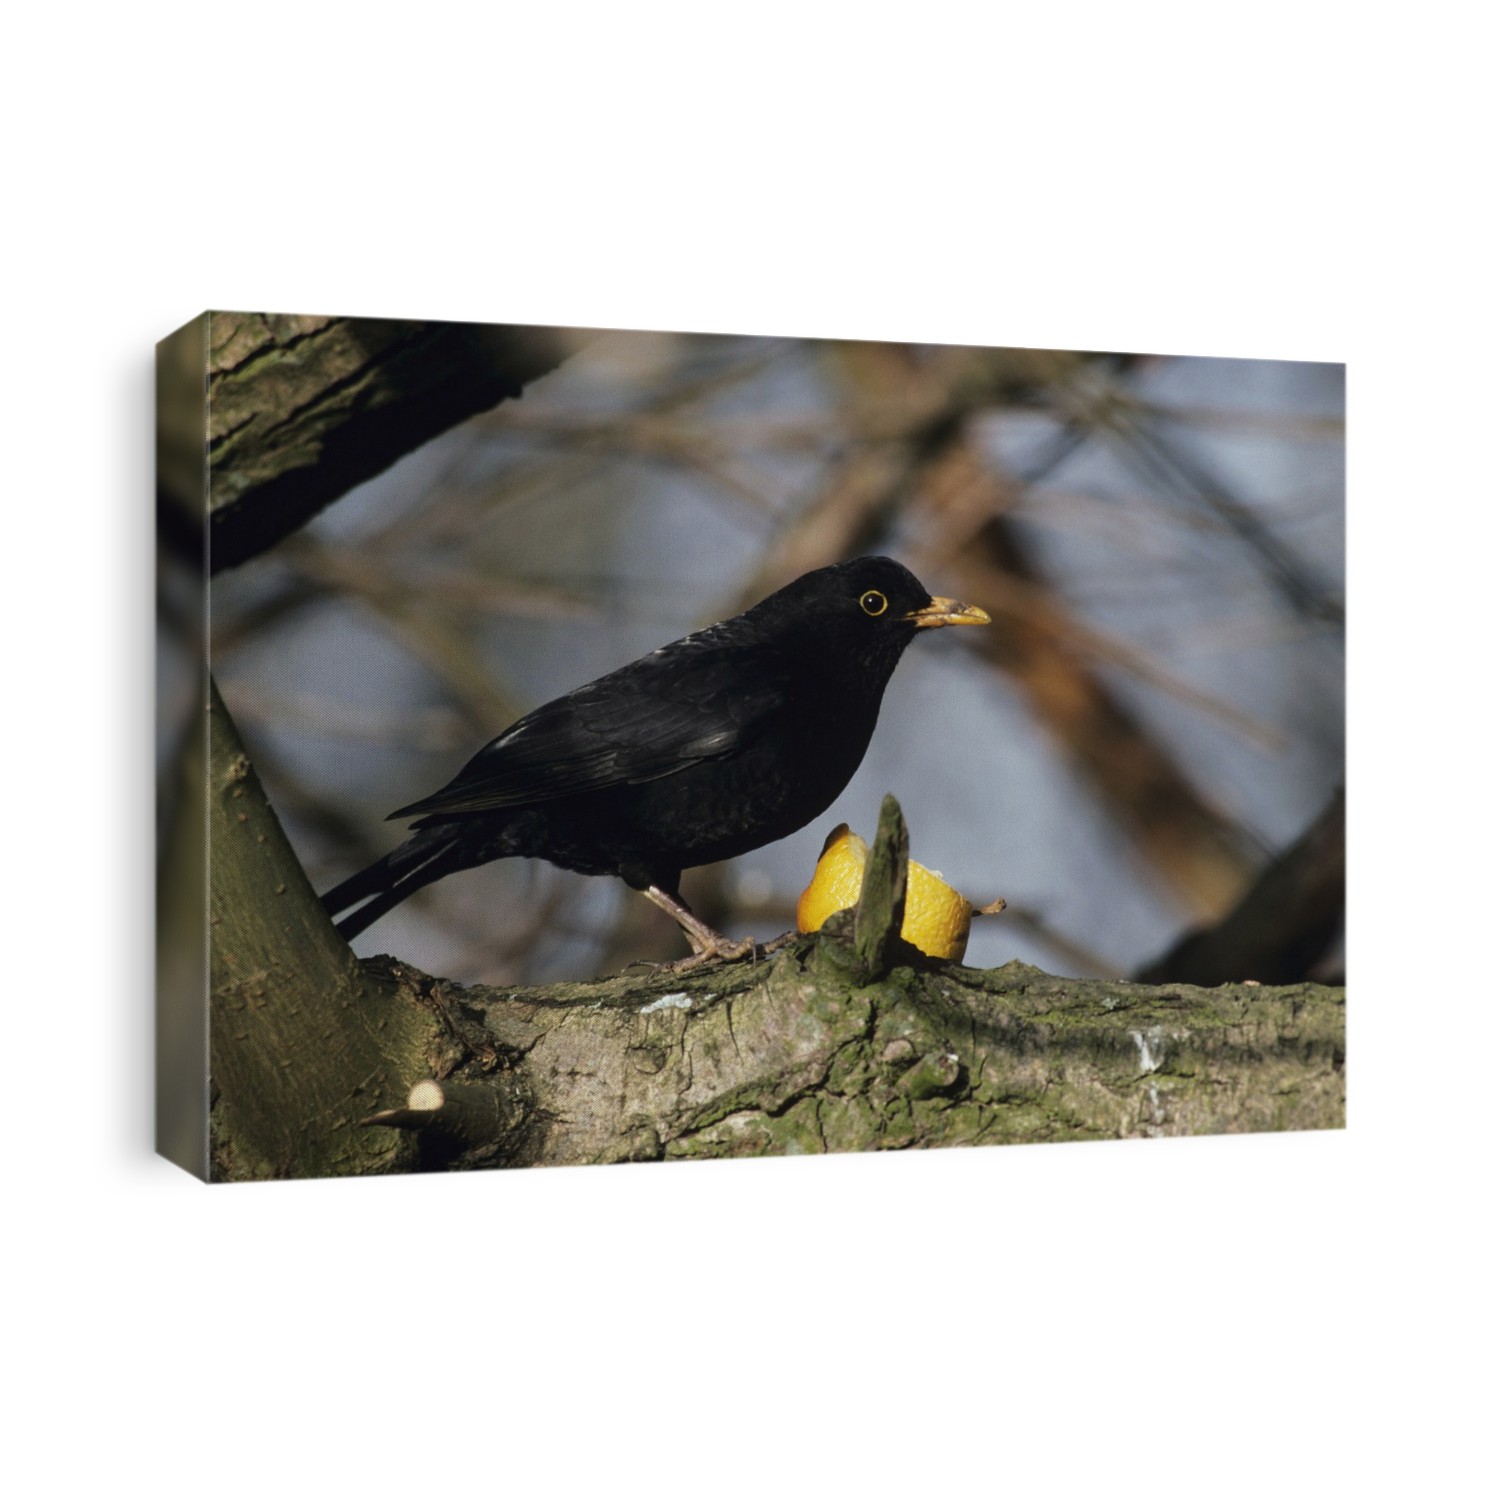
(717, 744)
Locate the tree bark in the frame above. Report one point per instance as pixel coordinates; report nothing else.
(844, 1041)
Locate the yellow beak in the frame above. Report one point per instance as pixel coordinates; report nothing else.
(946, 612)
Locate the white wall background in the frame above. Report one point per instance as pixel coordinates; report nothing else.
(1288, 1315)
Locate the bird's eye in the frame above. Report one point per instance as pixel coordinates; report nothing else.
(873, 602)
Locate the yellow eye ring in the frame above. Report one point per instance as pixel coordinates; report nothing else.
(873, 602)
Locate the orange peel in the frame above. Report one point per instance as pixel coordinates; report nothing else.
(937, 916)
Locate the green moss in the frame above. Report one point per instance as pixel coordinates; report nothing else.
(850, 1123)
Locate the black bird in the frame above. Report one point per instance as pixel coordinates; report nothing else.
(721, 742)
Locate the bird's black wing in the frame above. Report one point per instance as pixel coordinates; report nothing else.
(695, 700)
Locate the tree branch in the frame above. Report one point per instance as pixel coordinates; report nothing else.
(796, 1056)
(298, 410)
(1284, 924)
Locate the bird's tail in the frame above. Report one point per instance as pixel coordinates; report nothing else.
(427, 855)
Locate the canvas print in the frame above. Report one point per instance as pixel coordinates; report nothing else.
(584, 746)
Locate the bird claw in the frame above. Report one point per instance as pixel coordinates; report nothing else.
(723, 950)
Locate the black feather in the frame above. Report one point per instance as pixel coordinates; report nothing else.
(709, 747)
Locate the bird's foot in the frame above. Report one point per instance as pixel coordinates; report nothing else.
(708, 945)
(728, 949)
(714, 949)
(723, 950)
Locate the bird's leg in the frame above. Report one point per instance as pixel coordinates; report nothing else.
(706, 943)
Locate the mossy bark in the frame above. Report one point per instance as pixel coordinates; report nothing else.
(794, 1055)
